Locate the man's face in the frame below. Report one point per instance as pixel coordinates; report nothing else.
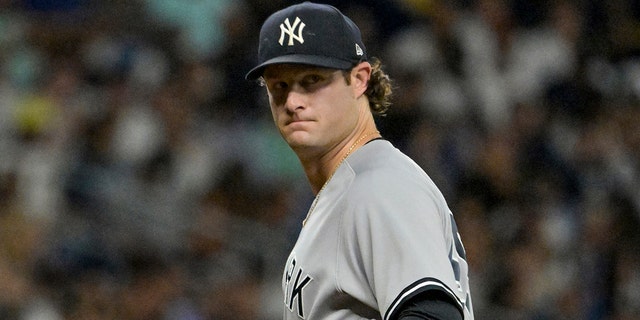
(314, 108)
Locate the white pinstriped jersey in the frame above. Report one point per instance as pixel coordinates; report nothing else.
(381, 233)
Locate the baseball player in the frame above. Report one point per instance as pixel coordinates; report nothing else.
(379, 241)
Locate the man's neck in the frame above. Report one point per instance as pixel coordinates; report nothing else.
(319, 170)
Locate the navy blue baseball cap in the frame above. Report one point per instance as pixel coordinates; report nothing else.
(312, 34)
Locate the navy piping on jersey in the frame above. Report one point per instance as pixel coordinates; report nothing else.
(420, 286)
(374, 139)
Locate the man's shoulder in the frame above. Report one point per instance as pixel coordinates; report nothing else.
(380, 169)
(379, 162)
(379, 156)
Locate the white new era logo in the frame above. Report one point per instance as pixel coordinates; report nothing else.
(359, 50)
(287, 28)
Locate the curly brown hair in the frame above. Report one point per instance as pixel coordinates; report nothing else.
(379, 88)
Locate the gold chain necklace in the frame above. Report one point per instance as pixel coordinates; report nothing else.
(315, 201)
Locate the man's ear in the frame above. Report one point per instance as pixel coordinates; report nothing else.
(360, 75)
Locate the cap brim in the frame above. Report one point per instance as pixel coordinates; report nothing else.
(317, 61)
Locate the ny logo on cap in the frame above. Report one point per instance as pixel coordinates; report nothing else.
(289, 29)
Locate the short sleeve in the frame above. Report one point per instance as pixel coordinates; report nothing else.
(395, 240)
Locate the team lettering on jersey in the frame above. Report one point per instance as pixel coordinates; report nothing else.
(294, 282)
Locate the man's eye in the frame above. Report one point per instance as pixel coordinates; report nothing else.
(279, 85)
(311, 79)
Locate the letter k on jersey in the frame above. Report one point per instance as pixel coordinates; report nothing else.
(293, 290)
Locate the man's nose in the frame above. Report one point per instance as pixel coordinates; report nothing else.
(294, 99)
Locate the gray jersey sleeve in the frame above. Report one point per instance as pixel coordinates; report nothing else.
(399, 236)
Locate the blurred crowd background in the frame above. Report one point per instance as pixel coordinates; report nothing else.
(141, 176)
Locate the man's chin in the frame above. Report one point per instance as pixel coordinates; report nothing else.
(301, 144)
(297, 138)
